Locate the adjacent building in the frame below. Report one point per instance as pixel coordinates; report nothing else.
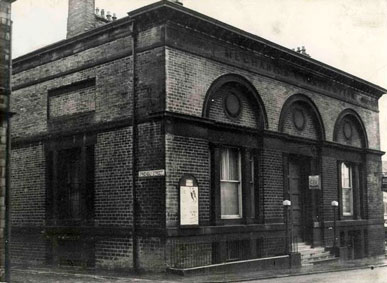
(5, 91)
(168, 139)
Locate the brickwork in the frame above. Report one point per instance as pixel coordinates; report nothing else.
(152, 253)
(150, 70)
(28, 249)
(310, 128)
(113, 170)
(375, 195)
(376, 236)
(111, 97)
(5, 90)
(72, 103)
(354, 139)
(189, 77)
(171, 80)
(150, 191)
(114, 253)
(77, 59)
(187, 156)
(247, 116)
(81, 17)
(330, 186)
(28, 185)
(273, 176)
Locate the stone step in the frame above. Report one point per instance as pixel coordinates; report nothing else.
(316, 258)
(316, 255)
(315, 250)
(325, 261)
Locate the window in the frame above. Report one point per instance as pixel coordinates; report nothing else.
(230, 184)
(347, 189)
(71, 187)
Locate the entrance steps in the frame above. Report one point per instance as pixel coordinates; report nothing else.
(316, 255)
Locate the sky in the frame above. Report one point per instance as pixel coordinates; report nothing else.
(350, 35)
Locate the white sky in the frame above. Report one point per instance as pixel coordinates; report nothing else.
(348, 34)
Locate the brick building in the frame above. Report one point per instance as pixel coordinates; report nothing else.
(5, 91)
(117, 126)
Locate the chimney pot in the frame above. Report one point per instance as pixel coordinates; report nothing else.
(97, 11)
(114, 17)
(108, 16)
(103, 13)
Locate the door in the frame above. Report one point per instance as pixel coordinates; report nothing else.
(296, 184)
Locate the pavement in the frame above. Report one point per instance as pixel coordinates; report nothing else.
(42, 275)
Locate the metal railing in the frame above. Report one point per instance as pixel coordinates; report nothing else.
(194, 252)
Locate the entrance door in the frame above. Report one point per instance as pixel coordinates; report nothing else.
(296, 184)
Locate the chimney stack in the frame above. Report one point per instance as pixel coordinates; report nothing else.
(81, 17)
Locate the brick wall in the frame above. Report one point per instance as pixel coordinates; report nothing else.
(150, 191)
(81, 17)
(330, 193)
(5, 57)
(152, 253)
(71, 103)
(355, 139)
(273, 176)
(113, 181)
(330, 185)
(311, 128)
(187, 156)
(114, 253)
(28, 249)
(28, 185)
(375, 195)
(247, 117)
(150, 89)
(111, 97)
(189, 77)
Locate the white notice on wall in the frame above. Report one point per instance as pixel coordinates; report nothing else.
(314, 182)
(151, 173)
(189, 205)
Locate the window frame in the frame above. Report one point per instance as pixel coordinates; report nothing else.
(249, 207)
(350, 187)
(86, 147)
(357, 197)
(240, 183)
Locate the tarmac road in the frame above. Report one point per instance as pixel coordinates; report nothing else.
(376, 275)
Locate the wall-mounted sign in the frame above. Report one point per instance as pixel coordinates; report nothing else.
(384, 184)
(151, 173)
(189, 201)
(314, 182)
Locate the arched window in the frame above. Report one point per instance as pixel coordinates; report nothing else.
(232, 101)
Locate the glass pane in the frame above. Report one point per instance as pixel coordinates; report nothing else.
(229, 198)
(233, 164)
(224, 164)
(346, 176)
(347, 200)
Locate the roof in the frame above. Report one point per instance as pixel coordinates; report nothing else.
(217, 28)
(165, 10)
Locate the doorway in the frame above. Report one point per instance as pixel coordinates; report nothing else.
(299, 168)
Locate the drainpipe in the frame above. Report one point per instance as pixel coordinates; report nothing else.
(134, 153)
(8, 115)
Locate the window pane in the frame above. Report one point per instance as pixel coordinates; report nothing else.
(229, 197)
(347, 201)
(233, 164)
(346, 176)
(224, 165)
